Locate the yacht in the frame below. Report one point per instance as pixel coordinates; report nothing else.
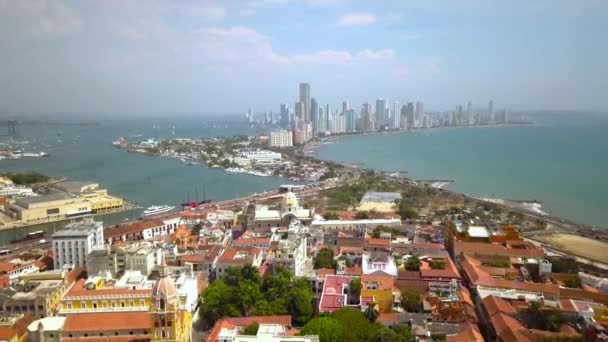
(157, 209)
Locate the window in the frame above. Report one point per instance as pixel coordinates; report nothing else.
(53, 211)
(122, 303)
(104, 304)
(83, 305)
(142, 302)
(94, 305)
(70, 306)
(131, 303)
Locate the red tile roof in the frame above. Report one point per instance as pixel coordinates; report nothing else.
(494, 305)
(7, 333)
(78, 290)
(229, 255)
(107, 321)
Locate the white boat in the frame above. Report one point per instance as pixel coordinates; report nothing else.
(157, 209)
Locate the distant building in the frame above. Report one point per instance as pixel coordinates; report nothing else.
(271, 329)
(291, 254)
(350, 121)
(284, 114)
(72, 244)
(314, 113)
(382, 118)
(281, 138)
(305, 101)
(366, 116)
(419, 111)
(238, 257)
(396, 116)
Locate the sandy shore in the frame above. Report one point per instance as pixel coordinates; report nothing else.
(578, 245)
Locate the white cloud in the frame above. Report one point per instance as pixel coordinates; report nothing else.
(353, 19)
(41, 17)
(203, 12)
(245, 45)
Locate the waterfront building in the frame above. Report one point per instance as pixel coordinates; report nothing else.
(299, 112)
(260, 156)
(419, 111)
(284, 114)
(338, 124)
(299, 136)
(72, 244)
(99, 198)
(141, 230)
(470, 118)
(351, 121)
(314, 114)
(411, 116)
(366, 116)
(305, 101)
(321, 127)
(396, 116)
(281, 139)
(345, 107)
(9, 189)
(381, 114)
(327, 117)
(491, 111)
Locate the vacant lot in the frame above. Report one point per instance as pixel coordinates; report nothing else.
(579, 246)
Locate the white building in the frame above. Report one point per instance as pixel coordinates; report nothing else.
(378, 262)
(271, 333)
(9, 189)
(281, 138)
(72, 245)
(337, 124)
(260, 156)
(291, 254)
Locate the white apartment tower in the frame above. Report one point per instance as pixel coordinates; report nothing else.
(72, 244)
(281, 138)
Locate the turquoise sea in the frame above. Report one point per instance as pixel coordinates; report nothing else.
(562, 160)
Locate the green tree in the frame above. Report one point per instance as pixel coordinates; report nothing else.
(406, 211)
(361, 215)
(552, 322)
(216, 302)
(371, 313)
(324, 259)
(356, 327)
(299, 304)
(413, 263)
(248, 294)
(331, 216)
(385, 334)
(438, 264)
(405, 332)
(410, 300)
(574, 282)
(355, 288)
(327, 328)
(251, 329)
(250, 272)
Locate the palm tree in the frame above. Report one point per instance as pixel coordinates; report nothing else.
(371, 313)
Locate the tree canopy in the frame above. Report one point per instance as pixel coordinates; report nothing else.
(241, 292)
(331, 216)
(327, 328)
(410, 300)
(324, 259)
(413, 263)
(357, 328)
(251, 329)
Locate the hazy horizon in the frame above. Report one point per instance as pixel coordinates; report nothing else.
(107, 58)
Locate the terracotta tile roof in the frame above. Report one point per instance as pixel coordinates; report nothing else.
(78, 290)
(584, 295)
(7, 333)
(322, 272)
(106, 321)
(131, 228)
(130, 338)
(229, 255)
(468, 335)
(251, 241)
(482, 248)
(350, 250)
(502, 323)
(384, 282)
(494, 305)
(374, 242)
(355, 270)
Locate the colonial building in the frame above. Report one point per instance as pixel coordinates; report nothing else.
(72, 245)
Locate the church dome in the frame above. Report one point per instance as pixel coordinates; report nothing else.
(290, 202)
(164, 293)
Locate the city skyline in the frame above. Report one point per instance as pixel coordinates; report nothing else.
(225, 56)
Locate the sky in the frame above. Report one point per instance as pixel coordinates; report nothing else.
(117, 57)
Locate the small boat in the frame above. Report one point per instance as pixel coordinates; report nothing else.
(157, 209)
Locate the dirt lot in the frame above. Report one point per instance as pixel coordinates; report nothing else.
(579, 246)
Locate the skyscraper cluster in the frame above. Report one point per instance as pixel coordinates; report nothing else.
(309, 118)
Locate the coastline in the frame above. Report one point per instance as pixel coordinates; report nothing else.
(531, 209)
